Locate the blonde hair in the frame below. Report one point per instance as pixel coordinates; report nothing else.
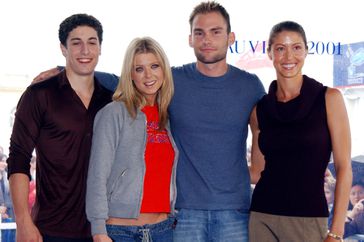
(127, 92)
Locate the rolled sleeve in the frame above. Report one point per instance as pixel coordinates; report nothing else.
(25, 133)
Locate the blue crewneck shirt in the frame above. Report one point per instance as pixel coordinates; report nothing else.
(209, 120)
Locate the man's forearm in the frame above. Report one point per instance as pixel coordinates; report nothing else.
(19, 188)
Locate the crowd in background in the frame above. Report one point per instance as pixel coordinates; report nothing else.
(6, 205)
(354, 223)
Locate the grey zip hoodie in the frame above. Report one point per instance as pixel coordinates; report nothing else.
(117, 167)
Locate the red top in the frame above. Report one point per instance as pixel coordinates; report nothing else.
(159, 156)
(31, 196)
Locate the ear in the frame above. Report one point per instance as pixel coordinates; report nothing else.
(63, 49)
(231, 38)
(269, 54)
(190, 40)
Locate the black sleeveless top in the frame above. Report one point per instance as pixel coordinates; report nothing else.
(295, 141)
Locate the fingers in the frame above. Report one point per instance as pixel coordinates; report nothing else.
(46, 75)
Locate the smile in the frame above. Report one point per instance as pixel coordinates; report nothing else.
(149, 83)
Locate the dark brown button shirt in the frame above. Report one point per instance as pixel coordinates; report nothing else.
(51, 118)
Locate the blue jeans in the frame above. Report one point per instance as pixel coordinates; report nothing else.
(160, 232)
(211, 226)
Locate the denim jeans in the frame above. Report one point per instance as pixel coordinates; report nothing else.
(160, 232)
(211, 226)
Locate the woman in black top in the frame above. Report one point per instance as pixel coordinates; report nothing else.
(300, 122)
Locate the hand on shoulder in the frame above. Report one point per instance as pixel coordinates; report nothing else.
(46, 75)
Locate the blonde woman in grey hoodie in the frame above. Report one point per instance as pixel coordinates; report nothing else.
(131, 185)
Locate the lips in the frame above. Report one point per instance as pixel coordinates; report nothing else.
(288, 66)
(207, 49)
(84, 60)
(149, 83)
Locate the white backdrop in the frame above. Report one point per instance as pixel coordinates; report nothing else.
(29, 40)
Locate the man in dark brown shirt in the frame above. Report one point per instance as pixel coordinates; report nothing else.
(56, 118)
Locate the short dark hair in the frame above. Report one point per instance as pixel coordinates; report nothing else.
(286, 26)
(75, 21)
(357, 183)
(209, 7)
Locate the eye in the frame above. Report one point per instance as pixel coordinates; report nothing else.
(93, 41)
(280, 49)
(155, 66)
(218, 31)
(139, 69)
(75, 43)
(198, 33)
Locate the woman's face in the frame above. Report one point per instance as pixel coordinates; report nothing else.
(148, 76)
(288, 53)
(356, 194)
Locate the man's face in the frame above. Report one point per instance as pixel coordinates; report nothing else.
(209, 37)
(82, 51)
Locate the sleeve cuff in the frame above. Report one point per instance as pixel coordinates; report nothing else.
(98, 226)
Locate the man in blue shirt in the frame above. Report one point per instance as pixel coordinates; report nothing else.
(209, 117)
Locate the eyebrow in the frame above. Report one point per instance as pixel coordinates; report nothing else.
(212, 29)
(295, 43)
(217, 28)
(77, 38)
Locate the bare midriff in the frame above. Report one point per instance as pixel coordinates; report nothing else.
(144, 218)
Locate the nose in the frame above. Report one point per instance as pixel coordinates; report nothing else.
(207, 38)
(85, 49)
(289, 53)
(147, 72)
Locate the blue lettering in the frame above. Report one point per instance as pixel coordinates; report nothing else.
(254, 48)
